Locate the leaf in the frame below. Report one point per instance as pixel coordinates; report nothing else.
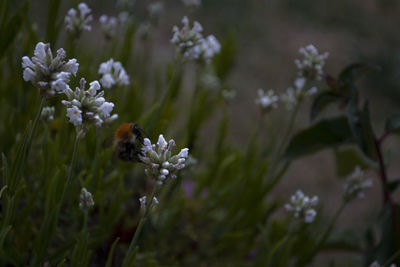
(392, 124)
(111, 253)
(346, 159)
(9, 32)
(354, 71)
(361, 129)
(322, 101)
(324, 134)
(52, 26)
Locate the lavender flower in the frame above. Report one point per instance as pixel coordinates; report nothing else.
(85, 107)
(355, 185)
(190, 43)
(143, 199)
(113, 74)
(86, 200)
(160, 163)
(77, 20)
(302, 206)
(49, 74)
(48, 114)
(108, 26)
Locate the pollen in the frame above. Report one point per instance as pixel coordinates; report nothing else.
(124, 131)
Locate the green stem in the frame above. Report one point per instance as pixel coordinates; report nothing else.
(71, 168)
(94, 177)
(142, 221)
(325, 236)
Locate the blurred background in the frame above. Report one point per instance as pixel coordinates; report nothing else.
(267, 37)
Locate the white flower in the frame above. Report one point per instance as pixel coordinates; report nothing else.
(311, 66)
(302, 206)
(189, 42)
(159, 161)
(355, 184)
(113, 74)
(192, 3)
(108, 25)
(86, 200)
(85, 107)
(376, 264)
(78, 21)
(266, 100)
(155, 10)
(48, 114)
(143, 199)
(49, 74)
(75, 115)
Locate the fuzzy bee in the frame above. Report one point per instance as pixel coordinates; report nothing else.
(128, 139)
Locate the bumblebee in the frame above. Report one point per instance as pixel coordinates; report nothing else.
(128, 139)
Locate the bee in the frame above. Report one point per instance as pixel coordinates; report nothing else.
(128, 139)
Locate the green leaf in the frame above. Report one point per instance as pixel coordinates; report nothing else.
(361, 129)
(9, 32)
(52, 25)
(322, 101)
(111, 253)
(354, 71)
(346, 159)
(392, 124)
(324, 134)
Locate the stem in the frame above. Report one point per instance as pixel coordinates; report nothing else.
(71, 167)
(386, 194)
(132, 245)
(94, 177)
(325, 236)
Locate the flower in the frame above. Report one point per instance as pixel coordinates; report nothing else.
(155, 10)
(108, 26)
(311, 66)
(77, 21)
(160, 163)
(49, 74)
(113, 74)
(48, 114)
(355, 185)
(190, 43)
(86, 200)
(267, 100)
(302, 206)
(296, 93)
(376, 264)
(142, 201)
(85, 107)
(192, 3)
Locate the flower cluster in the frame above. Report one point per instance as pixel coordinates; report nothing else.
(266, 100)
(296, 93)
(48, 114)
(77, 21)
(190, 43)
(113, 74)
(302, 206)
(88, 106)
(85, 200)
(311, 66)
(159, 161)
(142, 201)
(49, 74)
(376, 264)
(192, 3)
(108, 26)
(355, 185)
